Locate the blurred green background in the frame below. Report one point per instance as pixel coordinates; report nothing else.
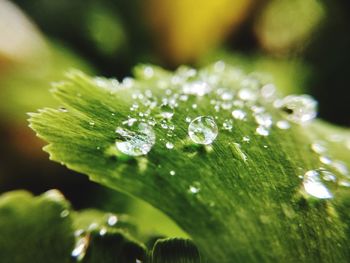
(303, 44)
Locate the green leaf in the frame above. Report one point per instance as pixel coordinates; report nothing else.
(240, 199)
(175, 250)
(44, 229)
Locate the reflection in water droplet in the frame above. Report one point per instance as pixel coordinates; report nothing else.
(81, 245)
(299, 108)
(136, 143)
(314, 186)
(203, 130)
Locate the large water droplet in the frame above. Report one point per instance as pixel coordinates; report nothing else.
(203, 130)
(300, 109)
(314, 186)
(138, 142)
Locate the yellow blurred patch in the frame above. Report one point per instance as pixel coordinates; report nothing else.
(186, 29)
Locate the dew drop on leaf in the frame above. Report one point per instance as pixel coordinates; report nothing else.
(314, 186)
(283, 125)
(112, 220)
(238, 114)
(167, 111)
(81, 245)
(169, 145)
(263, 131)
(136, 143)
(203, 130)
(299, 108)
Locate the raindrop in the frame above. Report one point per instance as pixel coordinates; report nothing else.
(246, 139)
(167, 111)
(103, 231)
(227, 125)
(238, 114)
(172, 173)
(203, 130)
(341, 167)
(261, 130)
(194, 188)
(64, 213)
(325, 160)
(313, 185)
(198, 88)
(81, 245)
(169, 145)
(91, 123)
(299, 108)
(263, 119)
(188, 119)
(318, 147)
(112, 220)
(136, 143)
(247, 94)
(283, 125)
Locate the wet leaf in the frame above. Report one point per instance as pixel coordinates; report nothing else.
(242, 198)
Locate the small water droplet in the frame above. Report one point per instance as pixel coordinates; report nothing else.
(194, 188)
(64, 213)
(227, 125)
(283, 125)
(197, 88)
(136, 143)
(313, 185)
(62, 109)
(103, 231)
(247, 94)
(169, 145)
(81, 246)
(344, 183)
(167, 111)
(299, 108)
(246, 139)
(341, 167)
(91, 123)
(203, 130)
(261, 130)
(263, 119)
(238, 114)
(188, 119)
(318, 147)
(326, 160)
(112, 220)
(172, 173)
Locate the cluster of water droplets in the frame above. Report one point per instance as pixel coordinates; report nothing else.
(233, 95)
(217, 99)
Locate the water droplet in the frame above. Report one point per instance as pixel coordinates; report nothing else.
(130, 122)
(341, 167)
(261, 130)
(203, 130)
(167, 111)
(81, 246)
(344, 183)
(314, 186)
(54, 195)
(64, 213)
(263, 119)
(103, 231)
(227, 125)
(188, 119)
(247, 94)
(300, 109)
(268, 91)
(194, 188)
(246, 139)
(169, 145)
(91, 123)
(172, 173)
(238, 114)
(197, 88)
(327, 175)
(318, 147)
(62, 109)
(136, 143)
(112, 220)
(283, 125)
(325, 160)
